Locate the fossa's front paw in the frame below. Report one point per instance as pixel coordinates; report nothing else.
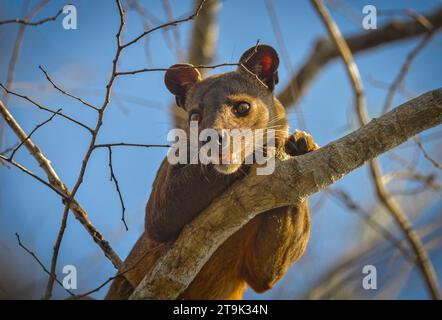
(299, 143)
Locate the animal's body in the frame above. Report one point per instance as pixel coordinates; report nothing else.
(259, 254)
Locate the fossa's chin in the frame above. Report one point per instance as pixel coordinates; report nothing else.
(227, 168)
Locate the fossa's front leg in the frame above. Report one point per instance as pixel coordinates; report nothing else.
(281, 234)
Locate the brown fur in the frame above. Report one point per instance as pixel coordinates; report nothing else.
(260, 253)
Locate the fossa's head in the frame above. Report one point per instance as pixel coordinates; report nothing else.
(242, 99)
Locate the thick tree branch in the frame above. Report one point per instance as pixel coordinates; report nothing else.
(294, 179)
(324, 51)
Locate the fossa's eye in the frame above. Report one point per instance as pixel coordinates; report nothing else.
(241, 109)
(194, 116)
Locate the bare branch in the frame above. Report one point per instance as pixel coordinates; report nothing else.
(15, 55)
(147, 18)
(41, 107)
(285, 55)
(324, 51)
(165, 25)
(111, 168)
(346, 199)
(398, 81)
(52, 277)
(133, 266)
(36, 23)
(202, 46)
(64, 92)
(9, 149)
(176, 32)
(424, 264)
(56, 183)
(202, 67)
(117, 187)
(204, 34)
(124, 144)
(293, 180)
(426, 155)
(31, 133)
(41, 263)
(33, 175)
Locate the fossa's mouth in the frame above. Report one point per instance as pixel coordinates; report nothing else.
(227, 168)
(230, 163)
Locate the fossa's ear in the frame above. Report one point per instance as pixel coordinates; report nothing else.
(263, 61)
(179, 78)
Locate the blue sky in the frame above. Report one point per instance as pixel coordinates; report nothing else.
(80, 61)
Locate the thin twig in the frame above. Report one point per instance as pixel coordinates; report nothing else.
(105, 103)
(286, 57)
(294, 179)
(15, 54)
(56, 250)
(419, 18)
(324, 51)
(41, 107)
(110, 83)
(8, 149)
(132, 267)
(424, 264)
(398, 81)
(41, 264)
(33, 175)
(346, 199)
(117, 187)
(427, 181)
(64, 91)
(176, 32)
(165, 25)
(61, 188)
(29, 23)
(111, 168)
(32, 132)
(120, 73)
(425, 153)
(108, 251)
(124, 144)
(147, 18)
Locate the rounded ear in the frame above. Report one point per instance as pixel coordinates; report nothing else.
(263, 61)
(179, 78)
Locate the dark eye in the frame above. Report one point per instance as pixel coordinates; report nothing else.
(241, 109)
(195, 116)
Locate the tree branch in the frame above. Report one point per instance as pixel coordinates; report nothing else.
(56, 250)
(36, 23)
(15, 55)
(324, 51)
(202, 46)
(294, 179)
(57, 184)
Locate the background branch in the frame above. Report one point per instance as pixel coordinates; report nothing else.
(324, 51)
